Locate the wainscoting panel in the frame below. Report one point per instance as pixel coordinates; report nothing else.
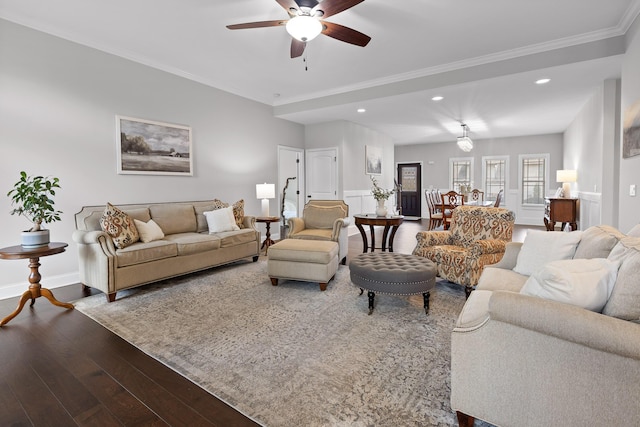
(590, 210)
(360, 202)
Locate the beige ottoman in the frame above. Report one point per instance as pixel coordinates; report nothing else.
(304, 260)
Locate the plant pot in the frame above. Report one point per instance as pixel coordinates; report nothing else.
(35, 239)
(381, 210)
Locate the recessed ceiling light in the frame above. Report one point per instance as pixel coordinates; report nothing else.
(437, 98)
(361, 110)
(543, 81)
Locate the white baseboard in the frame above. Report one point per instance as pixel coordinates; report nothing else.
(50, 282)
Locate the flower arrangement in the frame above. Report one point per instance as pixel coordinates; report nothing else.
(380, 193)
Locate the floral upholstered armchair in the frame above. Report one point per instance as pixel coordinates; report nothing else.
(477, 237)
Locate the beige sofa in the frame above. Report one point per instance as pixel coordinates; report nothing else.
(186, 246)
(521, 360)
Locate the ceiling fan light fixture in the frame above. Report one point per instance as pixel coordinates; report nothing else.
(464, 142)
(304, 28)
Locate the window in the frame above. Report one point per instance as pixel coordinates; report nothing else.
(534, 177)
(461, 172)
(494, 176)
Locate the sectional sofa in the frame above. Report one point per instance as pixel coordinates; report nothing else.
(182, 243)
(551, 335)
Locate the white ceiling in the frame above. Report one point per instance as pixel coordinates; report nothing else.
(481, 55)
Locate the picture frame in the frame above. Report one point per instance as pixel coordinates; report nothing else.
(147, 147)
(631, 131)
(373, 160)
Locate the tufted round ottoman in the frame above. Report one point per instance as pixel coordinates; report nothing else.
(392, 273)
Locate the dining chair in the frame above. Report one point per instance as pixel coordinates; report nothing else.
(499, 198)
(450, 201)
(476, 196)
(435, 214)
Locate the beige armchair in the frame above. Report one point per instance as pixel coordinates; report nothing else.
(477, 237)
(323, 220)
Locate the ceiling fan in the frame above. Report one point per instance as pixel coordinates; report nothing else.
(305, 23)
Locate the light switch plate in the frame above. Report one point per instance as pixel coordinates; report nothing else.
(632, 190)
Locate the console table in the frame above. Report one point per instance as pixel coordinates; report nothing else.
(389, 223)
(560, 210)
(35, 289)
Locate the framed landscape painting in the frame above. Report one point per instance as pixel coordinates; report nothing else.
(146, 147)
(373, 160)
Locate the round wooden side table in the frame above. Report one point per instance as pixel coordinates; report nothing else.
(388, 222)
(267, 220)
(35, 289)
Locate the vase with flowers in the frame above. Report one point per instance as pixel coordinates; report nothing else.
(381, 195)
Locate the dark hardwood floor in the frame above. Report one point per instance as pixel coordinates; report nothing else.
(60, 368)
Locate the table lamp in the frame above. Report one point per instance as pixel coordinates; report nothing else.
(566, 177)
(265, 192)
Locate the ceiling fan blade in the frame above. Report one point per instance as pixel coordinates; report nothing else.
(258, 24)
(332, 7)
(297, 47)
(288, 5)
(345, 34)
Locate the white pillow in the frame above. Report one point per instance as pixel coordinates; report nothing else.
(586, 283)
(221, 220)
(148, 231)
(541, 247)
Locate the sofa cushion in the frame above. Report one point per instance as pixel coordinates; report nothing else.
(140, 252)
(201, 220)
(322, 216)
(191, 243)
(541, 247)
(597, 241)
(174, 218)
(148, 231)
(585, 283)
(221, 220)
(119, 226)
(233, 238)
(624, 302)
(314, 234)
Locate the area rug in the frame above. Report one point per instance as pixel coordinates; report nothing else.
(291, 355)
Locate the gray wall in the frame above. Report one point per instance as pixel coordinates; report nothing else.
(58, 102)
(629, 208)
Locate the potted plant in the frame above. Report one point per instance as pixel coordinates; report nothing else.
(31, 197)
(381, 195)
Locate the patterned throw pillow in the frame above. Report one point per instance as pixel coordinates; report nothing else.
(119, 226)
(238, 210)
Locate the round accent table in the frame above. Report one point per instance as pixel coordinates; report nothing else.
(395, 274)
(388, 222)
(35, 289)
(267, 239)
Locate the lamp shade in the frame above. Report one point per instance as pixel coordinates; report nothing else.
(265, 191)
(566, 175)
(304, 28)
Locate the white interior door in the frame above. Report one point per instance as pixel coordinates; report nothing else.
(322, 173)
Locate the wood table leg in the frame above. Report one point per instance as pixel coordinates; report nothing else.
(25, 296)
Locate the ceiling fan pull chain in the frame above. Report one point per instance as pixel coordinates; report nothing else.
(304, 59)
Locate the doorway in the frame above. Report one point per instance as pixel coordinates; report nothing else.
(410, 182)
(322, 173)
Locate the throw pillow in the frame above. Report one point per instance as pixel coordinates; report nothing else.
(585, 283)
(119, 226)
(597, 241)
(542, 247)
(238, 212)
(625, 298)
(220, 220)
(148, 231)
